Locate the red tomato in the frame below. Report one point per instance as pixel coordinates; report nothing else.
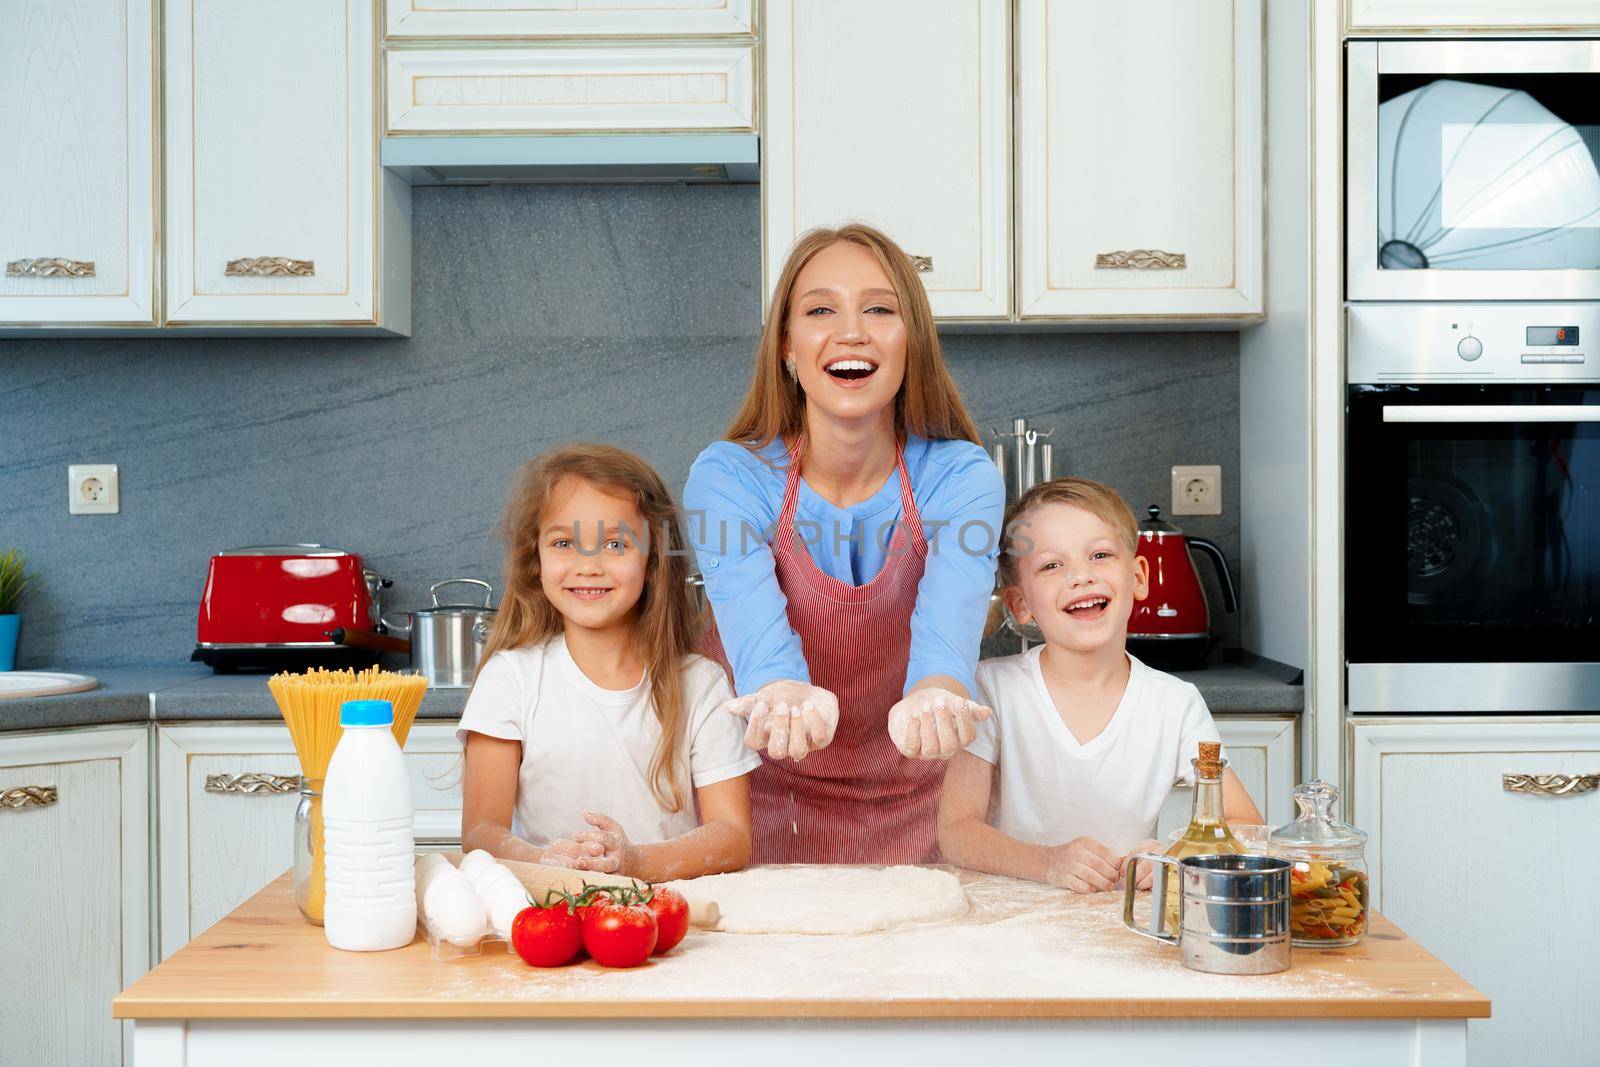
(547, 937)
(672, 918)
(619, 935)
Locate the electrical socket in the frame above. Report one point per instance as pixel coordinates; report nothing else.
(92, 489)
(1197, 490)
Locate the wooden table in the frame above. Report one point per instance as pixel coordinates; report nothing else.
(1030, 969)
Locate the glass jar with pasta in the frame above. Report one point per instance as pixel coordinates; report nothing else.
(1328, 899)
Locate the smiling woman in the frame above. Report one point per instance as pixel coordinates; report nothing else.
(848, 528)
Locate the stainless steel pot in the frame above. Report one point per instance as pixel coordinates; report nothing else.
(447, 639)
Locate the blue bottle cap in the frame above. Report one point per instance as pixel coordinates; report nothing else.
(366, 713)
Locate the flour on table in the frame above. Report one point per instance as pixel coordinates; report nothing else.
(828, 900)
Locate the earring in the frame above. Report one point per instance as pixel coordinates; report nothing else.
(788, 365)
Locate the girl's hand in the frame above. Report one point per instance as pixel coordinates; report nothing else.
(1083, 865)
(1147, 872)
(789, 719)
(606, 848)
(934, 723)
(562, 853)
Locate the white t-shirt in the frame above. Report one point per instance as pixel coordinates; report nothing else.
(1052, 789)
(585, 748)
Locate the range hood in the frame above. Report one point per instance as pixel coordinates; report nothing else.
(602, 157)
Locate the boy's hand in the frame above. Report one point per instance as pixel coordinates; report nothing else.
(1083, 865)
(787, 718)
(934, 723)
(604, 849)
(1147, 872)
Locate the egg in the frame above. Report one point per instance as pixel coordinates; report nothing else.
(428, 873)
(505, 902)
(485, 878)
(454, 910)
(475, 861)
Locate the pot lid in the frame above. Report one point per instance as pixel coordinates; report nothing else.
(1155, 524)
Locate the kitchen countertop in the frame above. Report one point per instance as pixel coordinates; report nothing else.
(1025, 950)
(1251, 685)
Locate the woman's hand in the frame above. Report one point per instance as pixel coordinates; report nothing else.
(934, 723)
(1083, 865)
(787, 718)
(1147, 872)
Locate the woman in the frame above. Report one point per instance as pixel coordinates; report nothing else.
(847, 529)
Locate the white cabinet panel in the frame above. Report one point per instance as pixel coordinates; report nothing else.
(894, 113)
(219, 847)
(77, 891)
(273, 187)
(570, 18)
(1468, 14)
(1262, 753)
(1139, 159)
(1500, 885)
(570, 88)
(77, 163)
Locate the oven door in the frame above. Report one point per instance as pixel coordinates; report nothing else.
(1473, 170)
(1472, 548)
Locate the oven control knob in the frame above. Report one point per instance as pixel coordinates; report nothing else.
(1470, 348)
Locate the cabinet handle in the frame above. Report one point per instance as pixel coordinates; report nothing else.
(29, 796)
(1141, 259)
(250, 783)
(923, 264)
(50, 267)
(271, 267)
(1550, 785)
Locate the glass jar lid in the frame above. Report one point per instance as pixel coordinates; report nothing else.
(1316, 826)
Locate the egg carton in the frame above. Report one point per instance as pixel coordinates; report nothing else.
(459, 910)
(446, 949)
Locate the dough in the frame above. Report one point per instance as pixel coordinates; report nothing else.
(828, 899)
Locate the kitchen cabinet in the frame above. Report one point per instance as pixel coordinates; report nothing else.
(1262, 752)
(590, 18)
(225, 800)
(74, 830)
(77, 163)
(277, 210)
(1139, 160)
(1469, 14)
(1499, 884)
(896, 113)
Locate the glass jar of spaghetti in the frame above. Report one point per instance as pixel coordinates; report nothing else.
(1328, 900)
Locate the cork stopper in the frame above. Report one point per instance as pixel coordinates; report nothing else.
(1209, 765)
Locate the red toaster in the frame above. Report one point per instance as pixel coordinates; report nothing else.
(274, 606)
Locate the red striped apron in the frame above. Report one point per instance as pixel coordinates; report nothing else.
(858, 800)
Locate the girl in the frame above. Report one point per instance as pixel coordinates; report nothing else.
(590, 706)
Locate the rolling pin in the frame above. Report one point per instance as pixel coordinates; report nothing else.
(539, 879)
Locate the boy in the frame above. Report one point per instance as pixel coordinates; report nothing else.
(1087, 740)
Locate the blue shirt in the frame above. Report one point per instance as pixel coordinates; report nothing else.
(732, 501)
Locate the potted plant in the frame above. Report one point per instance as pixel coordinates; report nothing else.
(13, 580)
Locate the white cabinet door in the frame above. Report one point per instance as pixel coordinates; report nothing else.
(74, 831)
(1261, 751)
(894, 113)
(1500, 885)
(570, 18)
(226, 798)
(77, 162)
(1471, 14)
(1139, 177)
(277, 210)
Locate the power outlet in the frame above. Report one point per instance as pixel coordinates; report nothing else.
(92, 489)
(1197, 490)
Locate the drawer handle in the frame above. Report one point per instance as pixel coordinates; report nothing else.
(29, 796)
(50, 267)
(271, 267)
(1141, 259)
(250, 783)
(923, 264)
(1550, 785)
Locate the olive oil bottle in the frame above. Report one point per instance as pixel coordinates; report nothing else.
(1207, 833)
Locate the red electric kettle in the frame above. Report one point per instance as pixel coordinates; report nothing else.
(1171, 628)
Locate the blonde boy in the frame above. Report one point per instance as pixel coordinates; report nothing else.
(1087, 741)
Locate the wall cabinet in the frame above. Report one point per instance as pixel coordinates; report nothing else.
(1500, 884)
(1469, 14)
(1262, 752)
(226, 795)
(77, 163)
(590, 18)
(74, 831)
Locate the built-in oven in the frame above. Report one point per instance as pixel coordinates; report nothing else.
(1472, 514)
(1473, 169)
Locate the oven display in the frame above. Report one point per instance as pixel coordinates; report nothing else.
(1550, 336)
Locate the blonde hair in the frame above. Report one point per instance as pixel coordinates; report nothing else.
(928, 404)
(665, 621)
(1096, 498)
